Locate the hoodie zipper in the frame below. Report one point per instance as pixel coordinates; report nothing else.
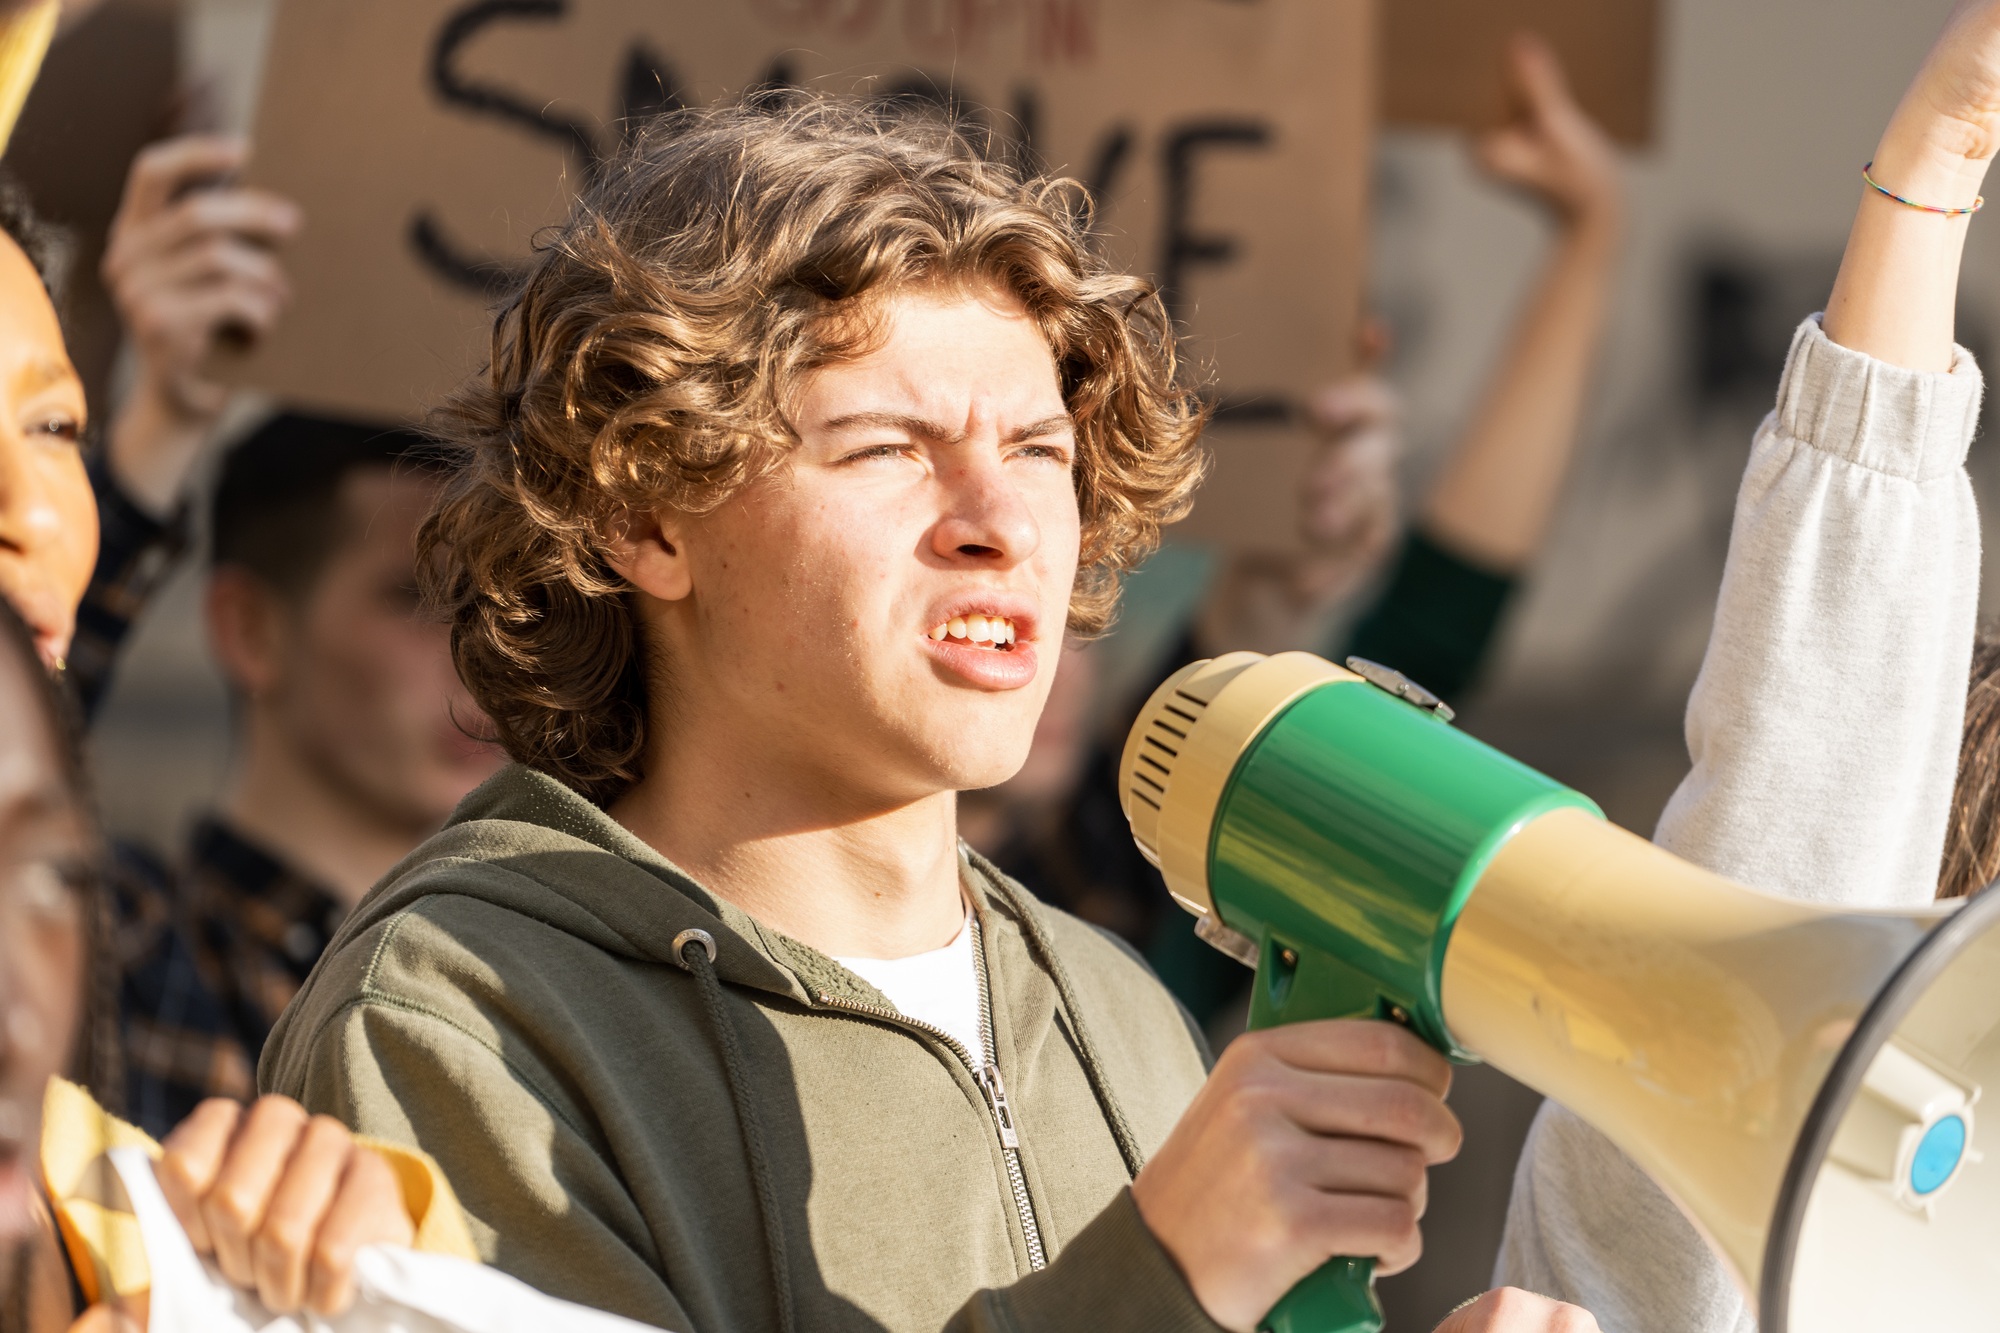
(987, 1076)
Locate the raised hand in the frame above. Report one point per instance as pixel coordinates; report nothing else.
(1897, 293)
(1308, 1141)
(1348, 498)
(1548, 146)
(191, 259)
(282, 1200)
(1956, 97)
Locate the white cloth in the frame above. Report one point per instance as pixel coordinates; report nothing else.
(396, 1290)
(1824, 730)
(940, 988)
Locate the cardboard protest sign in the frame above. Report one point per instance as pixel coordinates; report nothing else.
(428, 139)
(1441, 59)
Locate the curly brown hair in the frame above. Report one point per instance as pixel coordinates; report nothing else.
(648, 358)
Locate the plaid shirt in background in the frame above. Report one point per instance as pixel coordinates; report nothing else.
(212, 955)
(135, 553)
(209, 953)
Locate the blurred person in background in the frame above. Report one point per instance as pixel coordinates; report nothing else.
(352, 744)
(298, 1193)
(348, 748)
(1058, 827)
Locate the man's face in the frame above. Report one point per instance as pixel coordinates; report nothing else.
(364, 686)
(43, 847)
(48, 520)
(886, 612)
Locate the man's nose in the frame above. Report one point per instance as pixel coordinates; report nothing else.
(986, 518)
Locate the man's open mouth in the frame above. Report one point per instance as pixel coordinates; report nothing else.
(995, 632)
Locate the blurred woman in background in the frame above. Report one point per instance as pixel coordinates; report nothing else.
(282, 1202)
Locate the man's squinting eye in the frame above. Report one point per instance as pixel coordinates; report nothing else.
(1052, 450)
(874, 451)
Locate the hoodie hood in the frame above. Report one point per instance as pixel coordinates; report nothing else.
(571, 866)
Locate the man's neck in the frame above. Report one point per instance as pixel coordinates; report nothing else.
(806, 859)
(278, 801)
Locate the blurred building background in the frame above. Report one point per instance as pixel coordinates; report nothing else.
(1769, 108)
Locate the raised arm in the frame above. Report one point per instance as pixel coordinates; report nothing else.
(191, 259)
(1489, 510)
(1824, 727)
(1493, 500)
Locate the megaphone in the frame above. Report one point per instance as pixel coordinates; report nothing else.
(1801, 1080)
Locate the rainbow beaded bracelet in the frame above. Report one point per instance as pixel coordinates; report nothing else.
(1978, 202)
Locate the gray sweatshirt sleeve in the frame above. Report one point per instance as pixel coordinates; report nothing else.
(1824, 730)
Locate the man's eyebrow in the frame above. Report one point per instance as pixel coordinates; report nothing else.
(1035, 430)
(902, 421)
(931, 430)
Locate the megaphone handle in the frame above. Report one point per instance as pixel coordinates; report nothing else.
(1337, 1297)
(1294, 985)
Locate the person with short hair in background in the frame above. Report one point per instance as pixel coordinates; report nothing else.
(353, 736)
(353, 742)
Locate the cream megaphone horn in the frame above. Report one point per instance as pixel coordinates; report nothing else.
(1802, 1080)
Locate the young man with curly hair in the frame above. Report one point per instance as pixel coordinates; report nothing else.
(808, 437)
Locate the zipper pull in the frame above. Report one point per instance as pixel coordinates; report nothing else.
(1003, 1114)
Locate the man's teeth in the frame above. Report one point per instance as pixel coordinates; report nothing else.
(996, 630)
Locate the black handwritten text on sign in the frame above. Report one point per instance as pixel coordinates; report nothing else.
(430, 139)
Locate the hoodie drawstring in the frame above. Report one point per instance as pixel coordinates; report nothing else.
(1093, 1067)
(696, 951)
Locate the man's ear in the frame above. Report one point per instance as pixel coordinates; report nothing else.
(248, 629)
(649, 551)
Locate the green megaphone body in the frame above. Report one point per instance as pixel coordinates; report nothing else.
(1313, 798)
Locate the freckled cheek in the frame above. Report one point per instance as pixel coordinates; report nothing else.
(855, 566)
(1061, 543)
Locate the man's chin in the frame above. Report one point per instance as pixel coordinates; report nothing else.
(981, 773)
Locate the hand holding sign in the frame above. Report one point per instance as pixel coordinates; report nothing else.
(191, 263)
(1548, 146)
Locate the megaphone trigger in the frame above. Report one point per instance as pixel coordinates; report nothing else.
(1802, 1080)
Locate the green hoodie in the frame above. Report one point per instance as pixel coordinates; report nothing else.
(640, 1131)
